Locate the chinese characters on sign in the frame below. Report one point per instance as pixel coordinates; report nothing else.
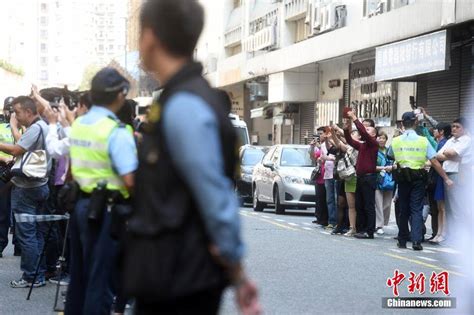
(438, 282)
(370, 99)
(410, 57)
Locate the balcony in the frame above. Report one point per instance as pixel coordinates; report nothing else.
(233, 37)
(263, 39)
(295, 9)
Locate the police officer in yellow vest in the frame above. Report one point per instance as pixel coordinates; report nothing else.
(7, 138)
(410, 152)
(103, 161)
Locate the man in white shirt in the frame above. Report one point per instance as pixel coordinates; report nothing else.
(457, 157)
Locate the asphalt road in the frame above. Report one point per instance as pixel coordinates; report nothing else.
(299, 268)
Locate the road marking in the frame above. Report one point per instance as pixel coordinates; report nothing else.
(278, 224)
(349, 238)
(293, 224)
(307, 228)
(266, 217)
(444, 250)
(424, 264)
(428, 251)
(426, 258)
(387, 237)
(396, 250)
(306, 223)
(324, 232)
(280, 220)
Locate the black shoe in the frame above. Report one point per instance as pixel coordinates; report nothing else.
(364, 235)
(17, 251)
(337, 231)
(401, 245)
(431, 238)
(417, 246)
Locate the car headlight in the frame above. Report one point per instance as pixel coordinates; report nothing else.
(247, 177)
(294, 180)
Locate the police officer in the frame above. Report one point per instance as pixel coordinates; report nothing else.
(410, 152)
(185, 245)
(7, 138)
(103, 160)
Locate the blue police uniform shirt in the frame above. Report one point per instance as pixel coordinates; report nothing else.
(192, 133)
(122, 147)
(411, 135)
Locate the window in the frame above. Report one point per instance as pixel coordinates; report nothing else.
(268, 156)
(101, 47)
(237, 3)
(44, 61)
(111, 47)
(43, 47)
(377, 7)
(44, 7)
(43, 21)
(301, 31)
(44, 34)
(298, 157)
(252, 156)
(44, 75)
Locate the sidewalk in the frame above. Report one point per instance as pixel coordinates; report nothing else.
(13, 301)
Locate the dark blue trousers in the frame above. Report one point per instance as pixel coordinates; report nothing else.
(92, 264)
(411, 197)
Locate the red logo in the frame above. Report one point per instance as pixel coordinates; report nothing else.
(395, 281)
(417, 283)
(439, 282)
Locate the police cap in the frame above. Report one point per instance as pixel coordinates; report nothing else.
(109, 80)
(409, 116)
(8, 103)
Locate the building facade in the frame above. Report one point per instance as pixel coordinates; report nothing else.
(291, 65)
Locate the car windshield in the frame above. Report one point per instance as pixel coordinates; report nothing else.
(242, 134)
(252, 156)
(295, 157)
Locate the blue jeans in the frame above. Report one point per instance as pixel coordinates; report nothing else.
(5, 211)
(92, 266)
(411, 197)
(30, 235)
(331, 200)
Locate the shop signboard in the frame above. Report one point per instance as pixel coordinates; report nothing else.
(422, 54)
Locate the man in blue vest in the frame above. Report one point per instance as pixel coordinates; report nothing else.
(410, 152)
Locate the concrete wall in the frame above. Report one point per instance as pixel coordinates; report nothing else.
(332, 70)
(12, 85)
(292, 86)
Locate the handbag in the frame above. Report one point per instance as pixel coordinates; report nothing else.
(33, 163)
(386, 182)
(315, 173)
(345, 166)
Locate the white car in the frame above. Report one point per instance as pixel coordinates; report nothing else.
(282, 178)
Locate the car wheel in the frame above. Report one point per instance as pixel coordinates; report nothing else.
(257, 205)
(279, 208)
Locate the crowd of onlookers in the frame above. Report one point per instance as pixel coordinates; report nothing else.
(356, 187)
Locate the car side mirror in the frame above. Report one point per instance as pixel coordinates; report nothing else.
(270, 165)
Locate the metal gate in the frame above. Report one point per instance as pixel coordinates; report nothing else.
(306, 122)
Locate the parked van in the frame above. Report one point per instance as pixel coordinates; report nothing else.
(241, 128)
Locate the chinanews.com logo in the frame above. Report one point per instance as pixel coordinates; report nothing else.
(438, 284)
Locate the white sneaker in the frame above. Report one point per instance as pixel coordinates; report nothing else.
(351, 232)
(380, 231)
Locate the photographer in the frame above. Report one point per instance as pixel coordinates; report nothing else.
(29, 194)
